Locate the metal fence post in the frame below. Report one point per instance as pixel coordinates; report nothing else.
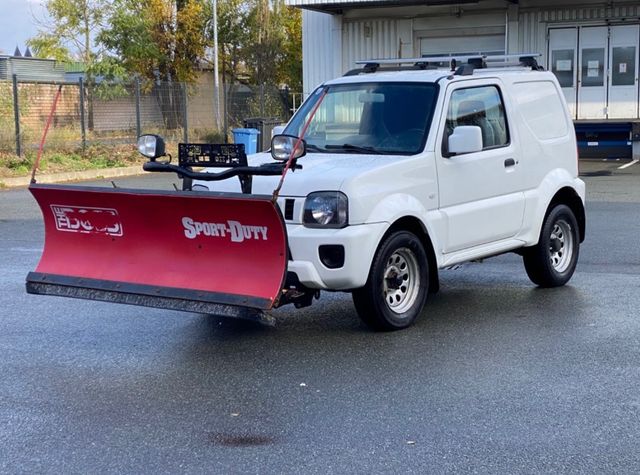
(185, 122)
(16, 114)
(262, 100)
(82, 124)
(138, 119)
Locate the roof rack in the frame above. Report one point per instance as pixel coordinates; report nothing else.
(462, 65)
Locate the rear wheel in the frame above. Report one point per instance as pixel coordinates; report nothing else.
(553, 260)
(397, 286)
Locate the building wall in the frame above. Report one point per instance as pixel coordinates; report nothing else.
(321, 49)
(376, 38)
(31, 69)
(333, 43)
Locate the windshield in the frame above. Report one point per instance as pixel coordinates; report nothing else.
(383, 118)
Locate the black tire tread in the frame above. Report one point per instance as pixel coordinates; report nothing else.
(367, 300)
(536, 259)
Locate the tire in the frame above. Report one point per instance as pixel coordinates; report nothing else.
(398, 283)
(553, 260)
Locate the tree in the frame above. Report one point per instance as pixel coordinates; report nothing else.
(71, 29)
(274, 52)
(70, 34)
(290, 67)
(261, 40)
(266, 40)
(233, 37)
(158, 39)
(162, 41)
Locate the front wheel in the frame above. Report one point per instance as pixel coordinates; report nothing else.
(553, 260)
(397, 286)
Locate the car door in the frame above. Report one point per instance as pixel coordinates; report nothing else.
(481, 193)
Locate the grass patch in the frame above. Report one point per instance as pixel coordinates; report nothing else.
(62, 152)
(94, 157)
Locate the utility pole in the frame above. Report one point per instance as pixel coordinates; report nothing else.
(216, 79)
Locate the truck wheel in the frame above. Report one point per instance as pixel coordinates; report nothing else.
(397, 286)
(553, 260)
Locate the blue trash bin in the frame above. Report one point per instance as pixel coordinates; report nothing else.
(248, 137)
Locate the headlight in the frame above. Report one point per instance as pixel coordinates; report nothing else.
(326, 209)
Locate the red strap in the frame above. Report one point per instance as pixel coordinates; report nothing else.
(44, 135)
(276, 192)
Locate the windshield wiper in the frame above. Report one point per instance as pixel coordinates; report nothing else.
(354, 148)
(315, 148)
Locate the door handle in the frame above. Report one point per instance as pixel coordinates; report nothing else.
(509, 162)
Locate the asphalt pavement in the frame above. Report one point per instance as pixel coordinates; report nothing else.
(496, 376)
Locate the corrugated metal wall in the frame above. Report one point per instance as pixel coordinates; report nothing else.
(332, 46)
(36, 70)
(369, 39)
(31, 69)
(321, 48)
(311, 3)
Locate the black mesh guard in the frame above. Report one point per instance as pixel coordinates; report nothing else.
(211, 155)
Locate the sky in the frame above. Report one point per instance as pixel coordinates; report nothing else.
(17, 23)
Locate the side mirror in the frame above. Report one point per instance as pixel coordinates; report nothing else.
(465, 139)
(277, 130)
(151, 146)
(282, 147)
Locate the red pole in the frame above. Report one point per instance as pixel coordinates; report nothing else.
(44, 135)
(276, 192)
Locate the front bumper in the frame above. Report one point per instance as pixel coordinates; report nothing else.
(360, 243)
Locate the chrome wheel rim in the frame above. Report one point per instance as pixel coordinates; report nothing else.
(401, 282)
(561, 246)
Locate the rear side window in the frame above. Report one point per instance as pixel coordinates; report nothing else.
(482, 107)
(542, 110)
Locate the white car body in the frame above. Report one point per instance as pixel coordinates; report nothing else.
(469, 206)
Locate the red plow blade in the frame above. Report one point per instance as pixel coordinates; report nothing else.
(199, 252)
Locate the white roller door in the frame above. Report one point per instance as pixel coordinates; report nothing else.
(459, 45)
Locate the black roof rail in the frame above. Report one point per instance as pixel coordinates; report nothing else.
(371, 67)
(374, 67)
(465, 70)
(473, 62)
(531, 62)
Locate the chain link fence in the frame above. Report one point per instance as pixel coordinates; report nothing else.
(117, 113)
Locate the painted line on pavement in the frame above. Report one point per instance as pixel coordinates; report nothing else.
(627, 165)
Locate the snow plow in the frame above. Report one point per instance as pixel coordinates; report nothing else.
(217, 253)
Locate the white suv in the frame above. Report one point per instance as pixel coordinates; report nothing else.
(410, 171)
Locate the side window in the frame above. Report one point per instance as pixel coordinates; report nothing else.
(480, 106)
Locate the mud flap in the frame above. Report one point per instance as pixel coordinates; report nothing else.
(201, 252)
